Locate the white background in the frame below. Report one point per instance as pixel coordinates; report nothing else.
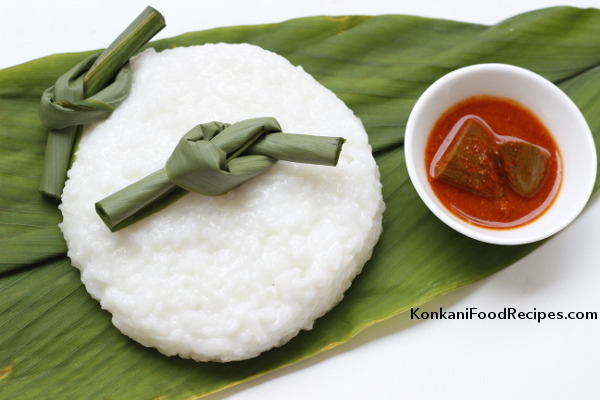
(398, 358)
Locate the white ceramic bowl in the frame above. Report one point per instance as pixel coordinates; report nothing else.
(551, 105)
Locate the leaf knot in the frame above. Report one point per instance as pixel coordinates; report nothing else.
(208, 159)
(213, 158)
(64, 104)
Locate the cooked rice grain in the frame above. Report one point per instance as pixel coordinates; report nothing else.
(228, 277)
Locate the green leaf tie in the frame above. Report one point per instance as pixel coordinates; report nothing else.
(63, 104)
(87, 93)
(212, 159)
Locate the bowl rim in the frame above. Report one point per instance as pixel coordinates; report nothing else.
(529, 232)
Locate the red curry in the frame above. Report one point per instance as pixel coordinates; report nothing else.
(490, 188)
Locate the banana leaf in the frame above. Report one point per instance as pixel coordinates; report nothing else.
(56, 342)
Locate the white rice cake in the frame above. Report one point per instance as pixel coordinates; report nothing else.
(222, 278)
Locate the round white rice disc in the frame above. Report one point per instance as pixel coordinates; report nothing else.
(228, 277)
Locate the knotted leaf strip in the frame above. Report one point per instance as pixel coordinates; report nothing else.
(204, 160)
(212, 159)
(87, 93)
(63, 104)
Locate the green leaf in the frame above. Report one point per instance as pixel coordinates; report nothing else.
(213, 158)
(55, 340)
(105, 79)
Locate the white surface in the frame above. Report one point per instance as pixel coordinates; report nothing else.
(399, 358)
(550, 104)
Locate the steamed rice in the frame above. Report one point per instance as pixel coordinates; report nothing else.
(228, 277)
